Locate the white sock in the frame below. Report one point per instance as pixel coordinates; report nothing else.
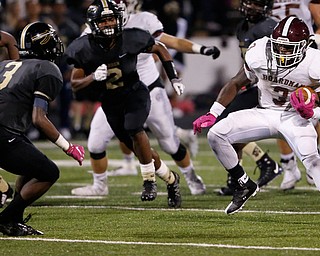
(186, 170)
(100, 179)
(128, 158)
(148, 171)
(165, 174)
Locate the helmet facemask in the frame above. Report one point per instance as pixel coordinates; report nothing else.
(128, 7)
(123, 8)
(109, 30)
(289, 42)
(111, 15)
(286, 53)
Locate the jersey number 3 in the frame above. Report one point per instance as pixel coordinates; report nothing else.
(9, 73)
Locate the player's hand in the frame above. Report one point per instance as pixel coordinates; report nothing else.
(210, 51)
(297, 102)
(177, 85)
(76, 152)
(203, 122)
(101, 73)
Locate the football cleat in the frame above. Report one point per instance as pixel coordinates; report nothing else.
(269, 170)
(125, 170)
(149, 192)
(309, 178)
(291, 175)
(241, 195)
(90, 191)
(5, 195)
(313, 177)
(174, 196)
(18, 229)
(195, 183)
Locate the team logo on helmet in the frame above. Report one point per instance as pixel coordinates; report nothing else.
(39, 40)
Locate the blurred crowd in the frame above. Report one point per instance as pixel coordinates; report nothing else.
(200, 18)
(204, 17)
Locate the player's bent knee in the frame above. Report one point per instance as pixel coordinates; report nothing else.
(212, 137)
(180, 154)
(169, 146)
(97, 145)
(49, 173)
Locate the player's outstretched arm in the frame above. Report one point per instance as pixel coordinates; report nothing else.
(226, 95)
(187, 46)
(41, 122)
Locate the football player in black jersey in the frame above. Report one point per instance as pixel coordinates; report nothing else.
(256, 24)
(105, 62)
(27, 86)
(7, 42)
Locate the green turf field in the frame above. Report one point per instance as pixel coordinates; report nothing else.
(272, 223)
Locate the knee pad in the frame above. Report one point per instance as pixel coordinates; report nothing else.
(213, 139)
(180, 154)
(169, 144)
(97, 144)
(97, 156)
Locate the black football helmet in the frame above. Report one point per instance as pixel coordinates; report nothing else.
(100, 11)
(289, 41)
(129, 7)
(255, 10)
(39, 40)
(123, 8)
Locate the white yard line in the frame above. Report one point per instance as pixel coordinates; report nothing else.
(227, 246)
(170, 209)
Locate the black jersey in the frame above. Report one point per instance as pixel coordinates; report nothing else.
(248, 32)
(121, 60)
(20, 82)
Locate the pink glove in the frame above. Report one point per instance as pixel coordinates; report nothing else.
(305, 110)
(203, 122)
(77, 152)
